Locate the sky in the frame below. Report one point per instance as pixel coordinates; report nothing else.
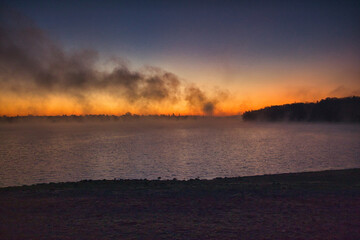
(182, 57)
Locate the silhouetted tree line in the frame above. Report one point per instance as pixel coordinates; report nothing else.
(327, 110)
(81, 118)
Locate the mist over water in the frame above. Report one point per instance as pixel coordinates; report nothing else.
(55, 152)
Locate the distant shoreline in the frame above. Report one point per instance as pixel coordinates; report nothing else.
(326, 110)
(109, 118)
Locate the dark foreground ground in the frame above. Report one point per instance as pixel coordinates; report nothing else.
(318, 205)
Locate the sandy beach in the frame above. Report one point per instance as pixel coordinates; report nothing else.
(316, 205)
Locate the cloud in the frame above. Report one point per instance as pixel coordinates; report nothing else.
(30, 61)
(196, 98)
(343, 91)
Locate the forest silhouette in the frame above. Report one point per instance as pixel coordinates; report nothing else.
(327, 110)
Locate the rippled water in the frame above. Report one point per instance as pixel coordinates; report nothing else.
(55, 152)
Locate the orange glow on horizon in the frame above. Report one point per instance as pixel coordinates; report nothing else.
(55, 105)
(249, 92)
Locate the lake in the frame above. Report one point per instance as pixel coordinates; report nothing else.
(183, 149)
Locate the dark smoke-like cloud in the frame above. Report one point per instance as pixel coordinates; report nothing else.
(28, 55)
(198, 99)
(31, 61)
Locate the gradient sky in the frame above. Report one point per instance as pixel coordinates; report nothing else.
(240, 55)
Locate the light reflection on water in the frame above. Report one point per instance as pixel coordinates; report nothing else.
(55, 152)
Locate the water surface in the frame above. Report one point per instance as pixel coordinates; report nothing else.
(56, 152)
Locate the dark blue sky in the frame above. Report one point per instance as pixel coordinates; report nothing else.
(203, 28)
(251, 47)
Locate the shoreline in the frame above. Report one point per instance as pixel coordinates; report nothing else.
(268, 177)
(308, 205)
